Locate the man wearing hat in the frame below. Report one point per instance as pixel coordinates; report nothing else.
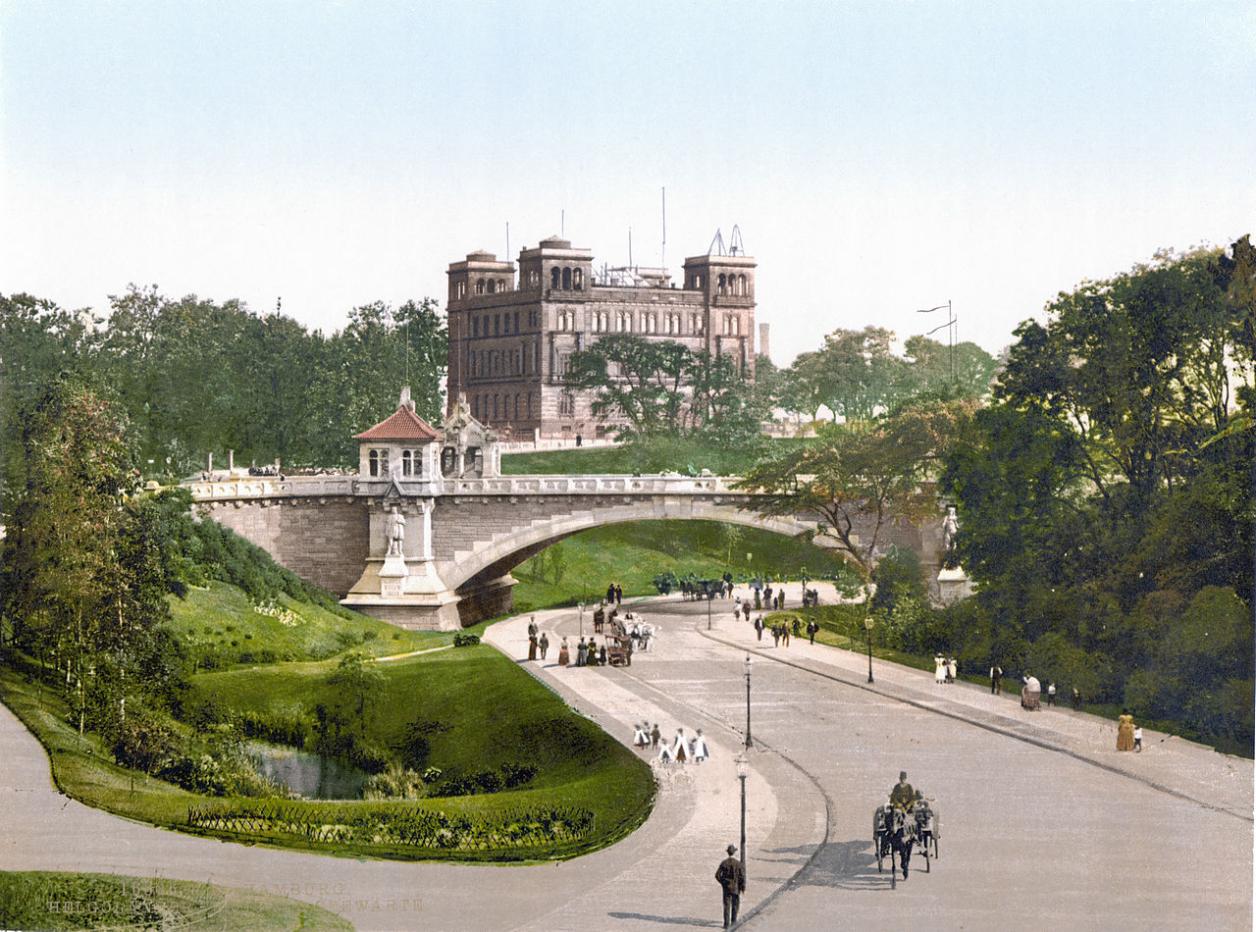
(732, 879)
(902, 796)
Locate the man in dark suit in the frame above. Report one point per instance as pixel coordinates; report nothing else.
(732, 879)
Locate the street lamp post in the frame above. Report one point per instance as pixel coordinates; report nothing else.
(743, 771)
(951, 321)
(710, 594)
(580, 606)
(749, 743)
(868, 636)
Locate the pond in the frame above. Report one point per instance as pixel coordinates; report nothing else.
(310, 775)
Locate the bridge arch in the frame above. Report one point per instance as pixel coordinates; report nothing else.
(496, 557)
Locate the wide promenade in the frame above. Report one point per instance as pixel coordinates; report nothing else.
(1042, 820)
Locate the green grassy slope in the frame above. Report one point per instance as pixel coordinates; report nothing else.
(220, 626)
(489, 713)
(55, 900)
(580, 567)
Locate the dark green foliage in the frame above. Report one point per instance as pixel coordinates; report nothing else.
(1106, 501)
(466, 640)
(898, 576)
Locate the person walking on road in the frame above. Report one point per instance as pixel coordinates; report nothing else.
(996, 680)
(544, 644)
(732, 880)
(812, 628)
(758, 627)
(1051, 693)
(776, 635)
(655, 735)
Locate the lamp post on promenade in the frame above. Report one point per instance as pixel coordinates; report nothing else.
(749, 743)
(580, 606)
(743, 771)
(868, 635)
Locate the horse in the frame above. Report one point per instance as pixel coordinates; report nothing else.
(894, 834)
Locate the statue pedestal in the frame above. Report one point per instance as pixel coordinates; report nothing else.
(953, 585)
(409, 595)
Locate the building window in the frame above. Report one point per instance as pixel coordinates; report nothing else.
(527, 400)
(516, 321)
(497, 325)
(555, 277)
(567, 405)
(577, 279)
(566, 279)
(494, 407)
(741, 285)
(492, 286)
(479, 286)
(378, 465)
(411, 463)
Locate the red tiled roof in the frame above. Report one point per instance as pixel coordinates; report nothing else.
(402, 424)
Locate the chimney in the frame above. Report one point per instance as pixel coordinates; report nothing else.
(764, 346)
(406, 402)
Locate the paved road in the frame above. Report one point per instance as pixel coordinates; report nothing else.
(1040, 824)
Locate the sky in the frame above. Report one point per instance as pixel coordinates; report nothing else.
(877, 157)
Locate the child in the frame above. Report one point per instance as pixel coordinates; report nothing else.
(1138, 738)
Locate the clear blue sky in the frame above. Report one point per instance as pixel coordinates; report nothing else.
(878, 157)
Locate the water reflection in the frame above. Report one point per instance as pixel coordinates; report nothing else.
(306, 774)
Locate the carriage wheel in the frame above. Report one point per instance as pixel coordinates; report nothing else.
(924, 849)
(935, 847)
(893, 871)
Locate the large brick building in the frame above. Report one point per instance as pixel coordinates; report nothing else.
(510, 338)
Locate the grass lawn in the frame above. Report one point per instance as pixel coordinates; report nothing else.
(580, 567)
(57, 900)
(487, 713)
(653, 456)
(494, 714)
(220, 626)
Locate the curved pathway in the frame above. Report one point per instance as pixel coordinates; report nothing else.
(1041, 822)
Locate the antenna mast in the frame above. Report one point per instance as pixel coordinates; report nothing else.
(630, 247)
(507, 240)
(663, 250)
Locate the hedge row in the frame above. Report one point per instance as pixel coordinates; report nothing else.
(393, 827)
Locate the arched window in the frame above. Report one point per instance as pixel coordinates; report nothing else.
(411, 463)
(577, 279)
(501, 284)
(528, 401)
(494, 406)
(555, 277)
(460, 290)
(378, 465)
(566, 279)
(741, 285)
(721, 286)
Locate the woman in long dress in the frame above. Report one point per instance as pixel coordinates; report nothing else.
(952, 670)
(939, 669)
(564, 654)
(680, 749)
(1125, 731)
(665, 753)
(700, 750)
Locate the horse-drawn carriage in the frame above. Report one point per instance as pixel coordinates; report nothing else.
(618, 644)
(895, 831)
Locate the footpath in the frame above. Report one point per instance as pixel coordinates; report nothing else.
(1192, 771)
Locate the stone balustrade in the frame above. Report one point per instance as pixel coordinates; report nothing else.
(258, 487)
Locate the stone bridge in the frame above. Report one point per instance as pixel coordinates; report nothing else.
(461, 537)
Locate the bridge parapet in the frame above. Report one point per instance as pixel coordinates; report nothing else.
(257, 487)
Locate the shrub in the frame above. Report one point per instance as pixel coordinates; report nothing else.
(466, 640)
(145, 741)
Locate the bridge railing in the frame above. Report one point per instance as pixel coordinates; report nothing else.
(263, 487)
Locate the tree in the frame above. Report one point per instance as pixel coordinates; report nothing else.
(360, 680)
(64, 581)
(634, 379)
(858, 479)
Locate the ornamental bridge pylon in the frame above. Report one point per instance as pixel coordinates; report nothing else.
(426, 534)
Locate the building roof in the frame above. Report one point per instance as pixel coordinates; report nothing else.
(402, 424)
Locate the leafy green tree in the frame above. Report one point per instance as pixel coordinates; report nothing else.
(360, 682)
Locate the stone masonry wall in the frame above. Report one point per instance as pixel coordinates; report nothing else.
(324, 543)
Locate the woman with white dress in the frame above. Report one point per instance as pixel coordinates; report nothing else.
(640, 738)
(952, 670)
(939, 669)
(700, 750)
(665, 753)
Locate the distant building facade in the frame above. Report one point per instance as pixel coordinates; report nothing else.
(510, 338)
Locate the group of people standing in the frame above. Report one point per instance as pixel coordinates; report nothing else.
(945, 669)
(679, 750)
(782, 631)
(614, 594)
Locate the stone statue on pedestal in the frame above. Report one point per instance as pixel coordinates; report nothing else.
(396, 532)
